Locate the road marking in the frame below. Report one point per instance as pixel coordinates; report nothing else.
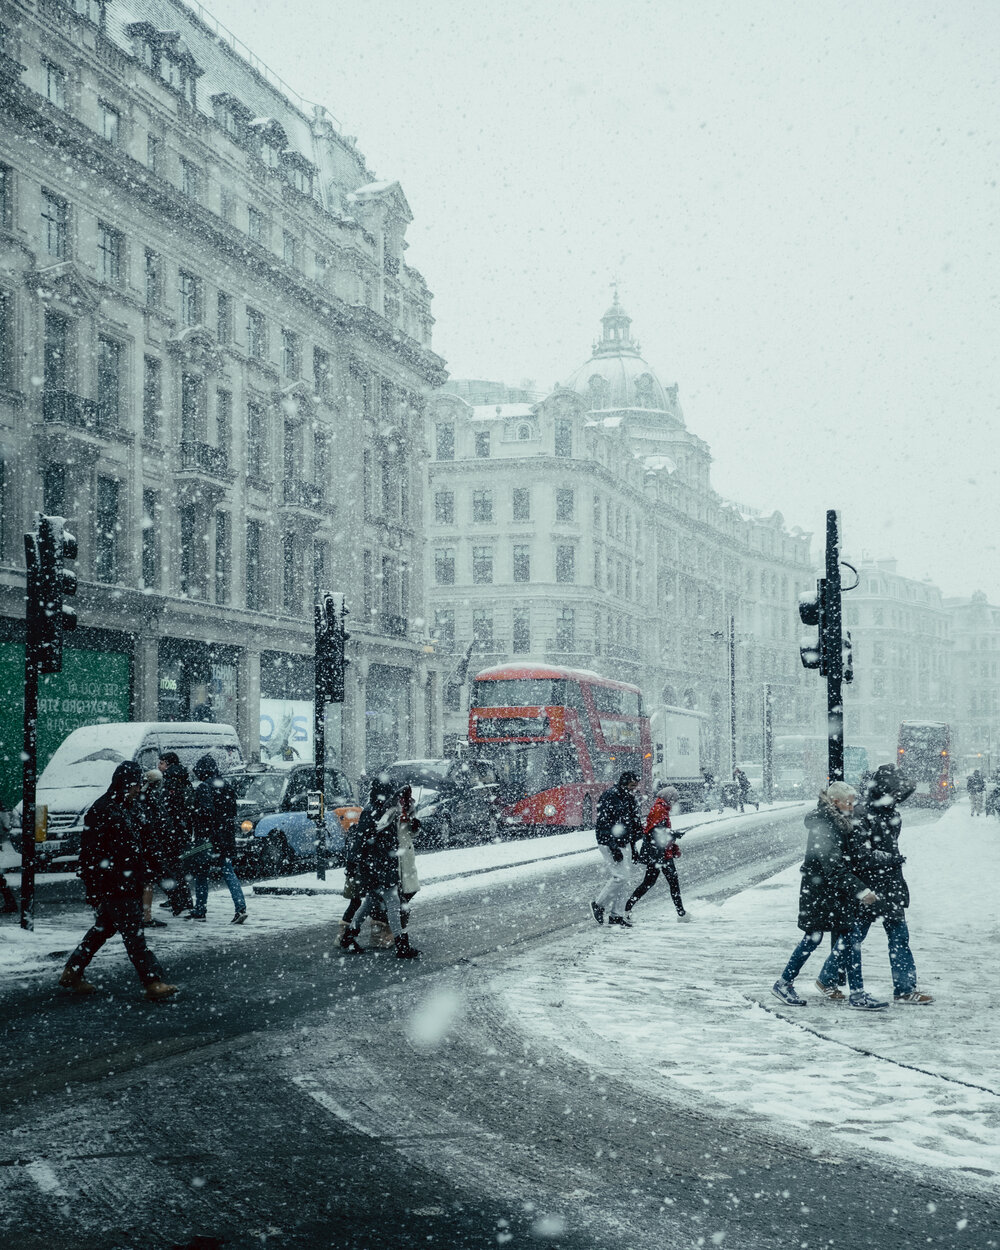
(45, 1178)
(308, 1086)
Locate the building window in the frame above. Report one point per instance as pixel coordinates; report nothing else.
(110, 246)
(224, 422)
(482, 629)
(54, 489)
(523, 433)
(6, 198)
(8, 368)
(190, 584)
(566, 630)
(321, 462)
(292, 458)
(521, 639)
(256, 334)
(150, 540)
(522, 503)
(55, 225)
(58, 366)
(565, 563)
(483, 444)
(444, 624)
(445, 440)
(482, 565)
(319, 570)
(192, 408)
(189, 289)
(154, 282)
(224, 319)
(110, 124)
(110, 361)
(154, 153)
(522, 562)
(597, 512)
(291, 354)
(321, 372)
(190, 180)
(256, 585)
(258, 456)
(106, 526)
(565, 505)
(227, 205)
(482, 505)
(564, 438)
(291, 575)
(152, 397)
(55, 84)
(368, 586)
(290, 249)
(598, 563)
(223, 556)
(444, 507)
(444, 566)
(257, 226)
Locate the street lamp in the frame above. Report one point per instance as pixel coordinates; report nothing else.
(718, 635)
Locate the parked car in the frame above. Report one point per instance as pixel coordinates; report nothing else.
(465, 808)
(273, 832)
(81, 767)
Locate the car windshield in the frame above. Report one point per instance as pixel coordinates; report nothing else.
(261, 789)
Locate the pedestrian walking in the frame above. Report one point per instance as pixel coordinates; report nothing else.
(113, 871)
(213, 819)
(742, 787)
(975, 784)
(832, 899)
(658, 849)
(882, 870)
(6, 893)
(176, 799)
(617, 828)
(379, 801)
(149, 812)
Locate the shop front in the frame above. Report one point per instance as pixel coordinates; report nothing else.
(197, 681)
(387, 715)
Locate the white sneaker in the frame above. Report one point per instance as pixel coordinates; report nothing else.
(684, 917)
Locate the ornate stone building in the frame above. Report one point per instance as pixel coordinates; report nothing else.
(975, 674)
(583, 530)
(213, 357)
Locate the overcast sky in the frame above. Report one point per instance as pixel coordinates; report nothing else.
(798, 201)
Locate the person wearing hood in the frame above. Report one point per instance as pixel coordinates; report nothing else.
(213, 820)
(618, 828)
(175, 797)
(658, 849)
(833, 898)
(112, 867)
(882, 868)
(975, 784)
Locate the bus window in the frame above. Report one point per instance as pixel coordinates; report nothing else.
(523, 692)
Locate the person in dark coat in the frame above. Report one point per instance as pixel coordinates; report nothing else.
(976, 784)
(618, 827)
(355, 839)
(112, 867)
(6, 893)
(213, 820)
(833, 898)
(658, 849)
(742, 786)
(881, 865)
(175, 797)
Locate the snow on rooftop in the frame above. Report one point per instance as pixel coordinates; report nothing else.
(485, 412)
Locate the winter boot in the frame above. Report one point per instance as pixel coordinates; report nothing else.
(348, 941)
(381, 936)
(403, 948)
(72, 979)
(156, 990)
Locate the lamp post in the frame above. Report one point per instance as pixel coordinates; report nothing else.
(730, 635)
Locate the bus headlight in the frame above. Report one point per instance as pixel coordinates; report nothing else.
(548, 810)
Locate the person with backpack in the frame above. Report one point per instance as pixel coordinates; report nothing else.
(617, 829)
(112, 867)
(213, 820)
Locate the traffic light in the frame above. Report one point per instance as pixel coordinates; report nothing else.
(811, 613)
(331, 658)
(848, 657)
(48, 617)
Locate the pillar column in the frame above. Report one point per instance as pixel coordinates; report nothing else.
(147, 678)
(248, 701)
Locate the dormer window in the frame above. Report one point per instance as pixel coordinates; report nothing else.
(297, 171)
(271, 140)
(92, 10)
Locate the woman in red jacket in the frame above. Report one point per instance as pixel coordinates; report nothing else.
(658, 850)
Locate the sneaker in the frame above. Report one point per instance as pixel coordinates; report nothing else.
(913, 996)
(620, 920)
(860, 1000)
(239, 917)
(785, 990)
(833, 992)
(683, 917)
(598, 911)
(154, 924)
(192, 916)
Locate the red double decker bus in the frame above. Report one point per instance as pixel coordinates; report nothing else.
(924, 757)
(554, 738)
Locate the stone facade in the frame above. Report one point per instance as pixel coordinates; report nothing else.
(975, 673)
(213, 357)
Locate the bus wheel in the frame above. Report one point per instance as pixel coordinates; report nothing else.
(588, 812)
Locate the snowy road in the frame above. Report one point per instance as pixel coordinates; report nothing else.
(527, 1083)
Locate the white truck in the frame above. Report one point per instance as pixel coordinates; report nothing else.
(676, 733)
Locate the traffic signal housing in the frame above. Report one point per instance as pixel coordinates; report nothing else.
(331, 658)
(811, 613)
(48, 616)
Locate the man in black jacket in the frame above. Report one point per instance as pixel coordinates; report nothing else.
(213, 818)
(175, 799)
(113, 871)
(618, 826)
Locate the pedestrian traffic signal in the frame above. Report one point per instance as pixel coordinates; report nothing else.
(48, 584)
(811, 613)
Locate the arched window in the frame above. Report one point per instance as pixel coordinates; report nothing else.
(523, 433)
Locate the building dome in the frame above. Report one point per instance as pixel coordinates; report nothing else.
(616, 376)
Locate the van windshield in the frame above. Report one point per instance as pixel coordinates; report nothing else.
(93, 770)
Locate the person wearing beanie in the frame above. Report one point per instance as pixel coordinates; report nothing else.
(213, 819)
(113, 872)
(618, 827)
(833, 898)
(658, 849)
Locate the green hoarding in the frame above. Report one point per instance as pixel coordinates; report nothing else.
(93, 687)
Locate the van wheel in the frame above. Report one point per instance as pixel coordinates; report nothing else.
(587, 816)
(276, 857)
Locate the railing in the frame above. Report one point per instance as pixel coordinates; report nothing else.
(302, 494)
(392, 625)
(203, 458)
(70, 409)
(618, 651)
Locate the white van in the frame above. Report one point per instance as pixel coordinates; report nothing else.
(80, 771)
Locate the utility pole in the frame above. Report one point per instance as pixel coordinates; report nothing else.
(331, 663)
(767, 778)
(732, 695)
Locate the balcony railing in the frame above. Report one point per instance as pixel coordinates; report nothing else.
(203, 458)
(302, 494)
(619, 651)
(70, 409)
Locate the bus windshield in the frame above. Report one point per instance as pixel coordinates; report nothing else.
(923, 751)
(525, 692)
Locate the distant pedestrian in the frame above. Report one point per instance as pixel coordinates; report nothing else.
(832, 899)
(176, 797)
(149, 812)
(742, 787)
(377, 864)
(617, 828)
(6, 893)
(112, 869)
(658, 849)
(213, 819)
(975, 786)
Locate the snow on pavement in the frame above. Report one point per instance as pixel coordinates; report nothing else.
(686, 1007)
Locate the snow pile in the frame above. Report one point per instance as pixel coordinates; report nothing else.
(687, 1008)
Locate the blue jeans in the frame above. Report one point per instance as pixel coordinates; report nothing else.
(904, 970)
(846, 950)
(229, 876)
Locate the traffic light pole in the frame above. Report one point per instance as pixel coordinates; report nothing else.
(319, 752)
(30, 751)
(833, 645)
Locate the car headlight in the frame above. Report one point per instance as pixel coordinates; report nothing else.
(247, 826)
(548, 810)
